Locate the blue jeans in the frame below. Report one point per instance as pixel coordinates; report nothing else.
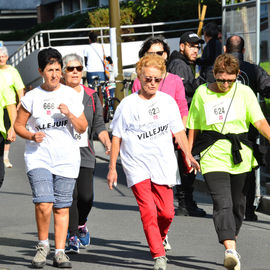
(89, 76)
(47, 187)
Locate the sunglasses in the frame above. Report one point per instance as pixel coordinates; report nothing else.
(150, 79)
(160, 53)
(70, 68)
(224, 81)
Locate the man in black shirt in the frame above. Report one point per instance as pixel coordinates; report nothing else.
(259, 81)
(181, 63)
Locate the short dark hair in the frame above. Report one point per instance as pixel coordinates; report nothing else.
(49, 56)
(211, 30)
(93, 36)
(154, 40)
(235, 44)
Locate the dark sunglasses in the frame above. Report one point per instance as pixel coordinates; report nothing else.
(224, 81)
(160, 53)
(150, 79)
(70, 68)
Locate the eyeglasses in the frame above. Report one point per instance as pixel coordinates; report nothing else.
(150, 79)
(194, 46)
(70, 68)
(225, 81)
(160, 53)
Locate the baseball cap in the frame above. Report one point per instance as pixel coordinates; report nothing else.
(190, 37)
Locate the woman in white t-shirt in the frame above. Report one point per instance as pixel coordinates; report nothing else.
(51, 112)
(142, 131)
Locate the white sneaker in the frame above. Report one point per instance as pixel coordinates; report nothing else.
(166, 244)
(160, 263)
(232, 260)
(7, 163)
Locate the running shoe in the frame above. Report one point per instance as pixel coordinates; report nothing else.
(84, 235)
(160, 263)
(166, 244)
(73, 245)
(61, 260)
(232, 260)
(39, 260)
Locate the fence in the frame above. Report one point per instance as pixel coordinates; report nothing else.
(47, 38)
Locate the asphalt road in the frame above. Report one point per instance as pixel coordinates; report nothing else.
(117, 238)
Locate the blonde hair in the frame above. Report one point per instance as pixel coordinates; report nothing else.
(151, 60)
(226, 63)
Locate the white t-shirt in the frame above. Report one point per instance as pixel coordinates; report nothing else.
(58, 152)
(146, 127)
(94, 54)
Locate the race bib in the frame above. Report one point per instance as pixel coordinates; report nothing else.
(82, 139)
(49, 107)
(216, 111)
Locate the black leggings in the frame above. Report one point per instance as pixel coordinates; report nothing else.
(83, 197)
(229, 202)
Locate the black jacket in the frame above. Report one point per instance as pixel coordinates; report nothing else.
(210, 52)
(180, 66)
(254, 76)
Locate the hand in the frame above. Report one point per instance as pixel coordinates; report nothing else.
(108, 149)
(112, 178)
(193, 164)
(11, 135)
(38, 136)
(64, 109)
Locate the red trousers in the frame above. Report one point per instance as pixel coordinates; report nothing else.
(157, 212)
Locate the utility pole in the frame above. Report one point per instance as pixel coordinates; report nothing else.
(116, 51)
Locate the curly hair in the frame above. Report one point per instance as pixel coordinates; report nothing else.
(151, 60)
(226, 63)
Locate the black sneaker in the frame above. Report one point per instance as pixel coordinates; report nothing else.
(61, 260)
(251, 217)
(193, 211)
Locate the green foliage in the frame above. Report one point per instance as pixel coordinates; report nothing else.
(100, 17)
(146, 7)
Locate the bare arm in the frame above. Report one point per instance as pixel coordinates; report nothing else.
(181, 139)
(103, 136)
(21, 130)
(112, 174)
(192, 134)
(79, 123)
(263, 127)
(12, 113)
(184, 120)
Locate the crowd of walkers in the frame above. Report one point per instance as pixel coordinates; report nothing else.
(171, 117)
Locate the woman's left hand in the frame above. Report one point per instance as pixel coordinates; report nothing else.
(64, 109)
(11, 135)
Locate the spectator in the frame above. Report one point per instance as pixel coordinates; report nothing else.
(93, 56)
(171, 84)
(259, 81)
(142, 128)
(180, 63)
(51, 112)
(218, 122)
(211, 51)
(83, 194)
(16, 86)
(7, 100)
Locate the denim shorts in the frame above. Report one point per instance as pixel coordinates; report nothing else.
(47, 187)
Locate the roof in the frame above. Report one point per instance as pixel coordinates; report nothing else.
(18, 4)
